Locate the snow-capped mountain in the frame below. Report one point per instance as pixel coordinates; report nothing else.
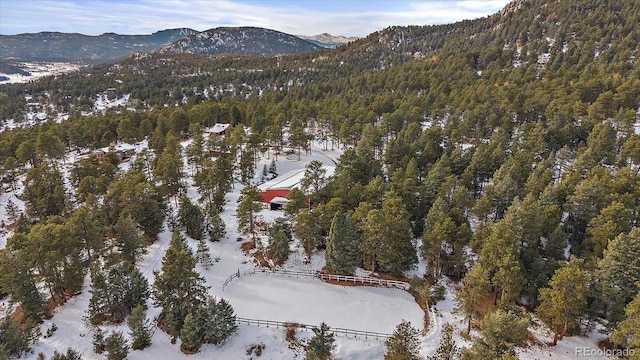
(327, 40)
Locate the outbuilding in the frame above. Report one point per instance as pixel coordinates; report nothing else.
(274, 192)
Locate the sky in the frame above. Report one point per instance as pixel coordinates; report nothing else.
(297, 17)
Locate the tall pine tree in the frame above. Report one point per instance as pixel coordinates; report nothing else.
(278, 246)
(343, 245)
(178, 288)
(618, 274)
(247, 210)
(628, 331)
(563, 303)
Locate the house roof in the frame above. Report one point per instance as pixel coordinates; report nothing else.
(218, 128)
(118, 147)
(279, 200)
(290, 179)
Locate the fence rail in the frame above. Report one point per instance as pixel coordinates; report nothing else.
(305, 327)
(330, 277)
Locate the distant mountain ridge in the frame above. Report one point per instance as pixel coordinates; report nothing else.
(328, 40)
(240, 40)
(73, 47)
(112, 47)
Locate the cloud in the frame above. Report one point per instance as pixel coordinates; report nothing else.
(355, 18)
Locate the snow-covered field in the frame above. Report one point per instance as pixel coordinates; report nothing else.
(270, 297)
(38, 70)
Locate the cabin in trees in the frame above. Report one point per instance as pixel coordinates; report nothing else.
(274, 192)
(218, 129)
(122, 150)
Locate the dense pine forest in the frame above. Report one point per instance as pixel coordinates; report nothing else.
(507, 147)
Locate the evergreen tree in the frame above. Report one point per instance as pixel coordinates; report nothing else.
(217, 321)
(214, 181)
(215, 226)
(562, 305)
(273, 171)
(203, 256)
(12, 211)
(70, 354)
(135, 195)
(374, 192)
(18, 279)
(116, 292)
(86, 226)
(612, 221)
(278, 246)
(343, 245)
(499, 257)
(14, 341)
(191, 218)
(387, 239)
(56, 256)
(248, 207)
(321, 344)
(297, 201)
(404, 343)
(447, 349)
(195, 151)
(44, 192)
(628, 332)
(313, 179)
(525, 219)
(191, 335)
(169, 168)
(406, 182)
(128, 239)
(370, 221)
(116, 346)
(247, 166)
(307, 229)
(138, 288)
(440, 231)
(140, 329)
(618, 274)
(475, 287)
(178, 288)
(583, 205)
(501, 333)
(98, 340)
(11, 166)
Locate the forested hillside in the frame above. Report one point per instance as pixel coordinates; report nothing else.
(105, 48)
(240, 40)
(510, 143)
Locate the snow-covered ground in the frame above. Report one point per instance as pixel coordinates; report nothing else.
(38, 70)
(269, 297)
(103, 103)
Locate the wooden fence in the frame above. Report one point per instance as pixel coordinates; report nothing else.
(349, 333)
(326, 277)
